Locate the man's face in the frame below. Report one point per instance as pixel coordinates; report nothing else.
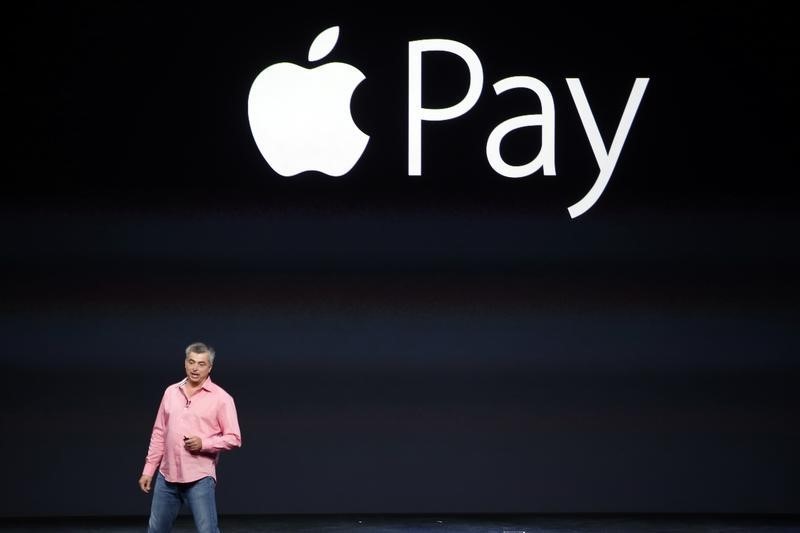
(197, 367)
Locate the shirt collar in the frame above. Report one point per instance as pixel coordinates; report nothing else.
(207, 384)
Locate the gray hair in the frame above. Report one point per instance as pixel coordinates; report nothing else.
(200, 347)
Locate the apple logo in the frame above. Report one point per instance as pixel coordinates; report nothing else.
(300, 118)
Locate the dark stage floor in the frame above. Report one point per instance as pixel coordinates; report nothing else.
(432, 523)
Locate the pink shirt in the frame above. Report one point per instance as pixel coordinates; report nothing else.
(209, 414)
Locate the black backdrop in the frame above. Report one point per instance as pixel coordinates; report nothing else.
(452, 342)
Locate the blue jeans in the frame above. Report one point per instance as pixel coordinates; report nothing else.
(167, 500)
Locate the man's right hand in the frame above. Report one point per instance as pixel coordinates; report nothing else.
(144, 483)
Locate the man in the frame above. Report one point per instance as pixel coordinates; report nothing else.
(195, 422)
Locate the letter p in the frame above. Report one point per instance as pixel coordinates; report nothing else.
(417, 113)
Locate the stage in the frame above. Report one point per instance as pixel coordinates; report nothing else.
(550, 523)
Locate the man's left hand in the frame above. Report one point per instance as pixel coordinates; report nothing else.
(193, 444)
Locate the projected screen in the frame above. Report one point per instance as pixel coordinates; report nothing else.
(485, 260)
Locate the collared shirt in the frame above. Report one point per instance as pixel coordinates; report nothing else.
(209, 414)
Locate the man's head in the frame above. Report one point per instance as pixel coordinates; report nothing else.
(198, 362)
